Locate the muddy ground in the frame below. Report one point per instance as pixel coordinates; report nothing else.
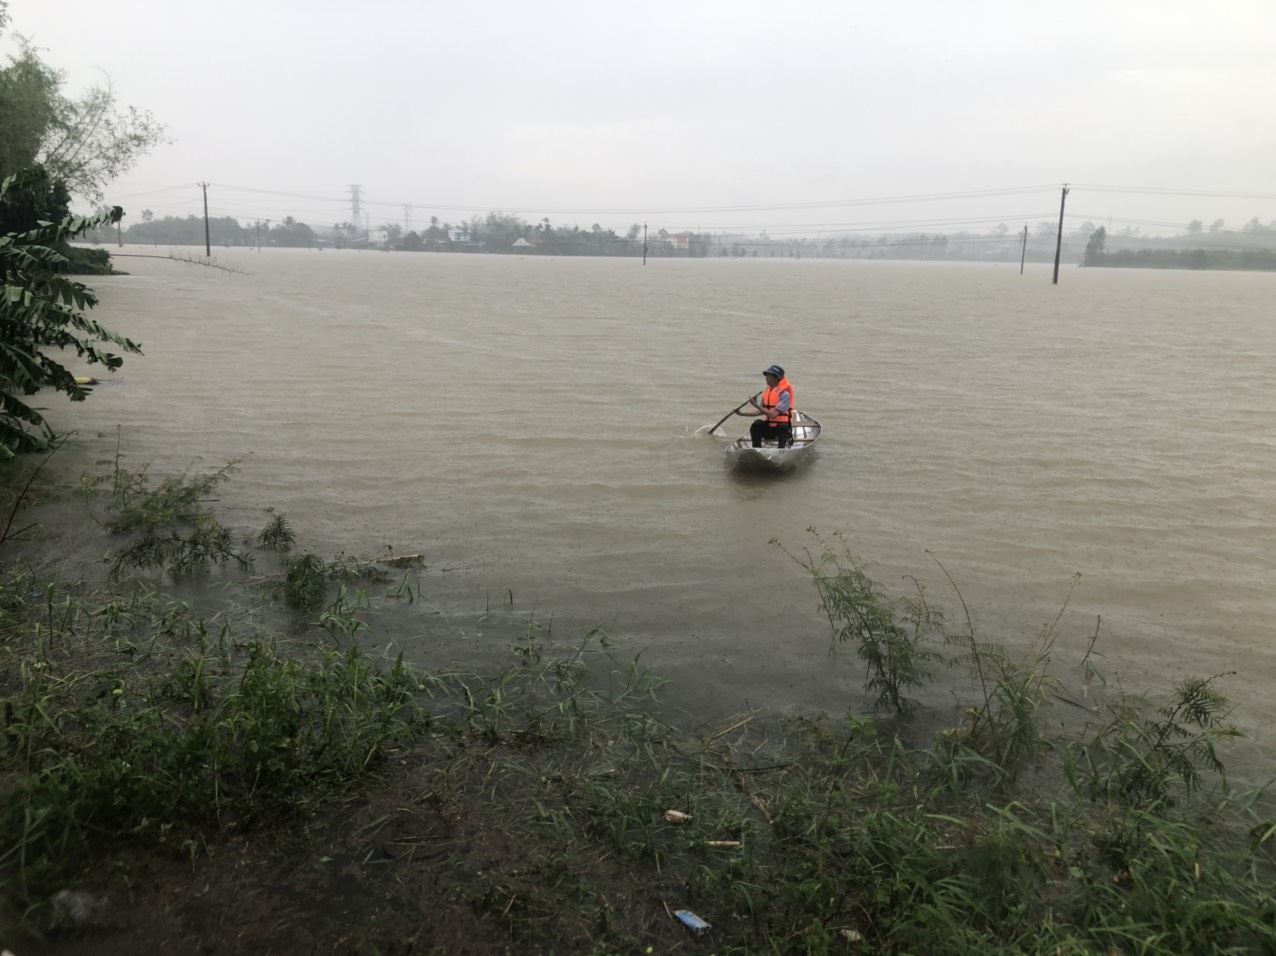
(386, 873)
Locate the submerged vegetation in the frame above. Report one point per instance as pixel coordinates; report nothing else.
(303, 786)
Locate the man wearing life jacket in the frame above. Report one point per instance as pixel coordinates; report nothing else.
(775, 412)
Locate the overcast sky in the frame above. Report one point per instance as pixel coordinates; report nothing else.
(790, 116)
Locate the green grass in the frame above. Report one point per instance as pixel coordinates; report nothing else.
(169, 738)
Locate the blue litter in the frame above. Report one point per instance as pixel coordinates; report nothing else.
(693, 922)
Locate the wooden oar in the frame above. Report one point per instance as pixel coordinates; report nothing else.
(732, 412)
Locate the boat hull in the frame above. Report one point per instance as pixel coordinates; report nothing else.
(806, 430)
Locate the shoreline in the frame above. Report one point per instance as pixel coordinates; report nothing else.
(468, 810)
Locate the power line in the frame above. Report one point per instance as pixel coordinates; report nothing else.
(1160, 224)
(666, 210)
(1161, 191)
(758, 207)
(152, 192)
(327, 209)
(913, 224)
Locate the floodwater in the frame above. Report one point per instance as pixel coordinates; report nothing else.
(536, 427)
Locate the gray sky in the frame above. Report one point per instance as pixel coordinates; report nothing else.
(793, 117)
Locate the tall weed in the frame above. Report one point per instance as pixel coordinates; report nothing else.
(890, 636)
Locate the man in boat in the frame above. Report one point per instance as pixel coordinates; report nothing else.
(775, 413)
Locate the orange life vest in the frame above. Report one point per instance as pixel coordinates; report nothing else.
(771, 399)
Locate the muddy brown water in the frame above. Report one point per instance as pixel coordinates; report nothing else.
(536, 427)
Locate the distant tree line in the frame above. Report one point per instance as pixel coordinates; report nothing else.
(1251, 247)
(1197, 251)
(495, 233)
(222, 231)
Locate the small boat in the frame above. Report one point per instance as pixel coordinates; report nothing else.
(806, 430)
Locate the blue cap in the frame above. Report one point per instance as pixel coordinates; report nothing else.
(775, 370)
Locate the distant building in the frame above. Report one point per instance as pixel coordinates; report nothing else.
(521, 243)
(457, 234)
(681, 241)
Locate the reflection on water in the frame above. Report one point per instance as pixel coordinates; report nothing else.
(531, 425)
(752, 473)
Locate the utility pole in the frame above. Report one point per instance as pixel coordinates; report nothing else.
(356, 217)
(259, 235)
(407, 219)
(1058, 248)
(1024, 253)
(208, 246)
(119, 232)
(644, 243)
